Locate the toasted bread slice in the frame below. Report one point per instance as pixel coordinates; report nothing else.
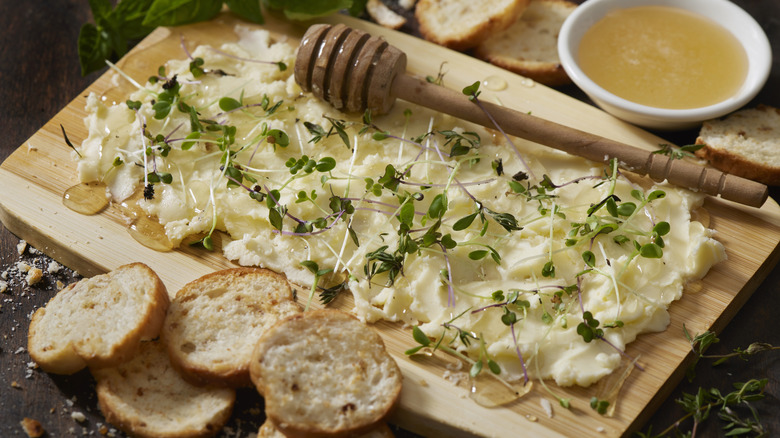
(324, 373)
(269, 430)
(214, 323)
(529, 46)
(383, 15)
(463, 24)
(98, 321)
(146, 397)
(746, 144)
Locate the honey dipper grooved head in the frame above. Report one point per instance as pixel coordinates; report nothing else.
(348, 68)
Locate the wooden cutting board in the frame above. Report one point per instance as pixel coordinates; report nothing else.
(36, 175)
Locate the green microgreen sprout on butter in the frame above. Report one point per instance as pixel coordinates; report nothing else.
(523, 262)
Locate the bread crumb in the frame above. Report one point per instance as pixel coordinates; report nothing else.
(34, 276)
(3, 286)
(547, 406)
(78, 416)
(456, 378)
(22, 266)
(423, 383)
(32, 428)
(21, 246)
(601, 429)
(53, 267)
(15, 385)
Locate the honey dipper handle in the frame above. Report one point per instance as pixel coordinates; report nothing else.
(657, 166)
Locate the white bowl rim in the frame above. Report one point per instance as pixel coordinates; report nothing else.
(760, 62)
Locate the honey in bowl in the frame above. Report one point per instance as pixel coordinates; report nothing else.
(663, 57)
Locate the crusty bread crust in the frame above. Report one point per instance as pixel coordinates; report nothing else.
(98, 321)
(215, 321)
(746, 144)
(462, 24)
(323, 374)
(529, 47)
(269, 430)
(146, 397)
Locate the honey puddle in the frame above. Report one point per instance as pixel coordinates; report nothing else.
(92, 198)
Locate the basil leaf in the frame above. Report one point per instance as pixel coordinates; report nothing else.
(306, 9)
(176, 12)
(94, 49)
(246, 9)
(131, 14)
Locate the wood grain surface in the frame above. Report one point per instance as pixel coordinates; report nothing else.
(41, 80)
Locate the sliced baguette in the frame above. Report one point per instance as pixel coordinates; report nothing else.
(324, 373)
(214, 323)
(98, 321)
(463, 24)
(146, 397)
(529, 47)
(383, 15)
(269, 430)
(746, 143)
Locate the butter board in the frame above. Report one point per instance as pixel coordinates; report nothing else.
(42, 168)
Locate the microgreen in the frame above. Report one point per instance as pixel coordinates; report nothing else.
(678, 153)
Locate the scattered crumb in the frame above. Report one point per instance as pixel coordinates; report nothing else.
(32, 428)
(34, 275)
(21, 246)
(454, 366)
(601, 429)
(16, 385)
(423, 383)
(3, 286)
(456, 378)
(78, 416)
(53, 267)
(547, 406)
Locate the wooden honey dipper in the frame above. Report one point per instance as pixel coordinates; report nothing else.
(354, 71)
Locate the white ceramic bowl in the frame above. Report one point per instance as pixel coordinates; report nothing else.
(723, 12)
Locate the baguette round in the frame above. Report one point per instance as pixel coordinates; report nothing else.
(529, 47)
(462, 24)
(98, 321)
(146, 397)
(325, 374)
(746, 144)
(214, 323)
(269, 430)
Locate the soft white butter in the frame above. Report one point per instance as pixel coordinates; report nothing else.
(621, 287)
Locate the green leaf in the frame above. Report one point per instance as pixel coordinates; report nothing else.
(246, 9)
(420, 337)
(93, 47)
(472, 90)
(406, 214)
(651, 251)
(229, 104)
(438, 206)
(307, 9)
(131, 14)
(464, 222)
(662, 228)
(311, 266)
(187, 145)
(176, 12)
(448, 242)
(589, 258)
(325, 164)
(478, 254)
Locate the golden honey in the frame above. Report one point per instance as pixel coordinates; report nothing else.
(663, 57)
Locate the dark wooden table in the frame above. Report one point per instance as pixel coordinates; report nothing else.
(39, 75)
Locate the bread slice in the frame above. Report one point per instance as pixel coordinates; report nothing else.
(462, 24)
(98, 321)
(214, 323)
(324, 373)
(746, 144)
(383, 15)
(146, 397)
(529, 47)
(269, 430)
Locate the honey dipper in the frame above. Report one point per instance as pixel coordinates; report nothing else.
(355, 71)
